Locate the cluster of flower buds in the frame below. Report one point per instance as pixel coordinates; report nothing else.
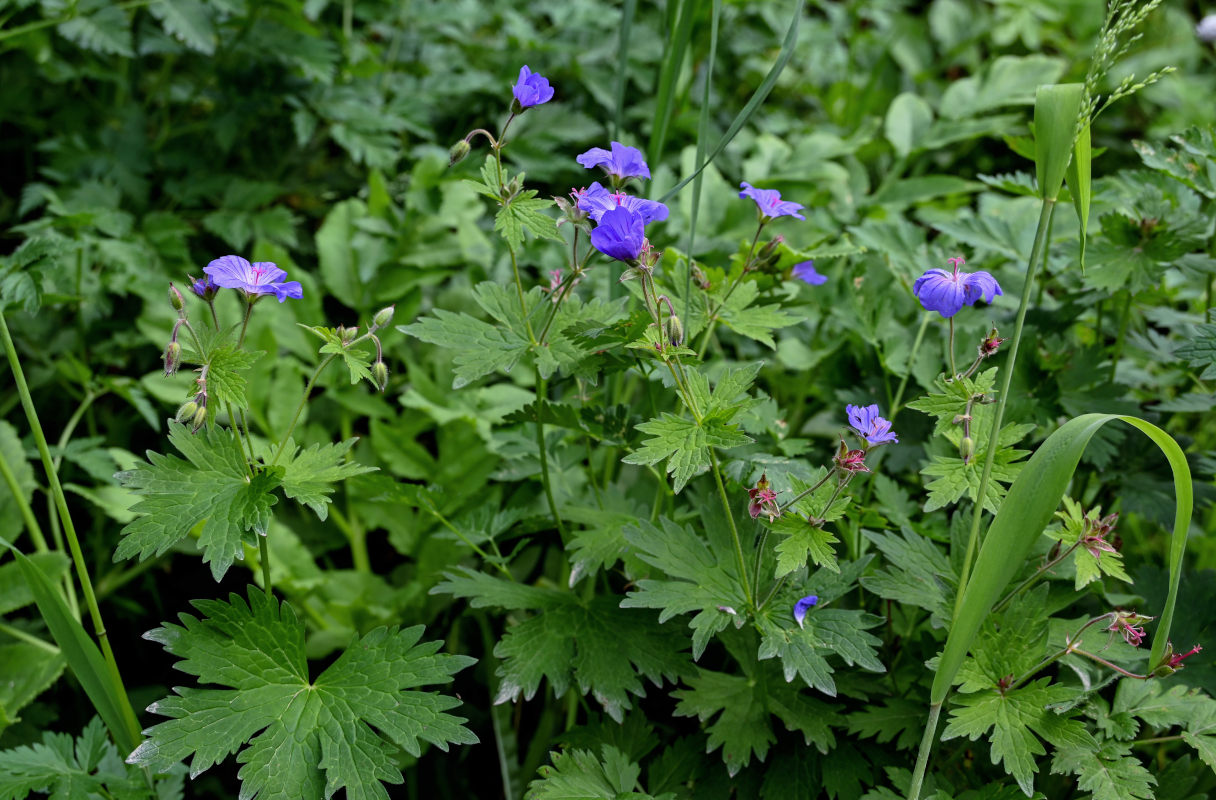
(379, 371)
(966, 447)
(849, 462)
(1094, 536)
(763, 500)
(194, 411)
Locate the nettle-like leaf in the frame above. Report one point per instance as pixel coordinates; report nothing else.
(696, 576)
(211, 485)
(1200, 351)
(685, 443)
(742, 707)
(754, 321)
(580, 774)
(595, 644)
(1108, 772)
(188, 21)
(953, 477)
(356, 357)
(85, 767)
(309, 474)
(1015, 716)
(301, 738)
(918, 572)
(1189, 158)
(225, 382)
(523, 213)
(897, 720)
(801, 527)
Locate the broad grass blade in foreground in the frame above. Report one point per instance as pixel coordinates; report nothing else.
(1056, 108)
(673, 58)
(1025, 512)
(83, 656)
(1080, 183)
(702, 136)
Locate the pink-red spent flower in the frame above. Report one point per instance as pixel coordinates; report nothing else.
(763, 500)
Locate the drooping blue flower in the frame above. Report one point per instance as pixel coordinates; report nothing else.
(947, 292)
(803, 606)
(595, 200)
(806, 272)
(621, 162)
(532, 88)
(770, 203)
(621, 234)
(869, 426)
(261, 277)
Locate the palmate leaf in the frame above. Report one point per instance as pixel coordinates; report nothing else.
(1109, 772)
(309, 475)
(804, 650)
(210, 486)
(302, 739)
(754, 322)
(572, 640)
(684, 444)
(188, 21)
(744, 705)
(1015, 716)
(580, 774)
(1200, 351)
(523, 213)
(224, 379)
(70, 769)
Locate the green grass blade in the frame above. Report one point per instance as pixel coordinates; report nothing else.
(622, 66)
(673, 59)
(757, 98)
(1056, 109)
(1023, 515)
(1080, 183)
(702, 135)
(83, 656)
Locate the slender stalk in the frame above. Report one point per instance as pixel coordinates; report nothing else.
(245, 323)
(926, 745)
(519, 289)
(1040, 572)
(953, 369)
(27, 514)
(805, 492)
(28, 638)
(82, 570)
(734, 531)
(1124, 316)
(1007, 379)
(264, 557)
(541, 388)
(903, 383)
(300, 408)
(713, 315)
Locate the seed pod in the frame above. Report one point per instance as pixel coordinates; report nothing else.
(675, 330)
(966, 449)
(186, 411)
(200, 418)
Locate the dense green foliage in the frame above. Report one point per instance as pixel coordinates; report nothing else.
(503, 548)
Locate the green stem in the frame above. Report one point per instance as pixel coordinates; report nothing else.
(1124, 316)
(245, 324)
(734, 531)
(953, 369)
(61, 504)
(28, 638)
(903, 383)
(357, 536)
(56, 535)
(519, 289)
(995, 436)
(544, 458)
(805, 492)
(926, 745)
(713, 315)
(264, 557)
(300, 408)
(27, 514)
(1040, 572)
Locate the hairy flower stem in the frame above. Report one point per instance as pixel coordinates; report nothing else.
(300, 408)
(1039, 573)
(804, 493)
(519, 290)
(953, 369)
(541, 389)
(903, 383)
(713, 315)
(244, 324)
(994, 437)
(61, 505)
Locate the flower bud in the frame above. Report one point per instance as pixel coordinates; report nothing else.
(186, 411)
(173, 357)
(458, 151)
(675, 330)
(630, 274)
(380, 375)
(383, 317)
(347, 335)
(175, 298)
(966, 449)
(200, 418)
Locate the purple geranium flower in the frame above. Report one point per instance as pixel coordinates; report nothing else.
(804, 605)
(595, 200)
(621, 162)
(258, 278)
(770, 203)
(621, 234)
(869, 426)
(947, 292)
(204, 287)
(532, 89)
(806, 272)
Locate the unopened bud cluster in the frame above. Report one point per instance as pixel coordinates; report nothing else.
(194, 411)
